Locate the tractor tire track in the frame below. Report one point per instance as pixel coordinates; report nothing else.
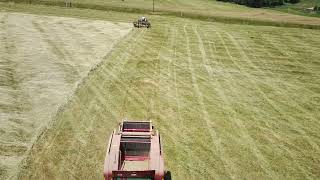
(263, 162)
(206, 116)
(285, 51)
(172, 74)
(124, 57)
(273, 104)
(243, 54)
(228, 165)
(268, 73)
(50, 137)
(267, 51)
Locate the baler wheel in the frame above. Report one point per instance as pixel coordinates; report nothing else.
(167, 175)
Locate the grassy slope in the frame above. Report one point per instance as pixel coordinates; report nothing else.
(231, 101)
(300, 7)
(66, 12)
(204, 9)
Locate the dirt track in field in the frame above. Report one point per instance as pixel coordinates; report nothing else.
(231, 102)
(42, 60)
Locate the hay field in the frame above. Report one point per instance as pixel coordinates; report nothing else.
(206, 9)
(42, 60)
(231, 102)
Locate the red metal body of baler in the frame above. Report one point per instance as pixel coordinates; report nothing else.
(135, 152)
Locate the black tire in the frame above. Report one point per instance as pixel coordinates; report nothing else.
(167, 175)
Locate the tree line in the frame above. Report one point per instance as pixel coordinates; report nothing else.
(261, 3)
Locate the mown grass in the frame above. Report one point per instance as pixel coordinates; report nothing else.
(147, 5)
(231, 102)
(67, 12)
(200, 10)
(42, 59)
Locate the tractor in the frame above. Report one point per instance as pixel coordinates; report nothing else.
(142, 22)
(135, 152)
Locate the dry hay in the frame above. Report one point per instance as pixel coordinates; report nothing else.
(42, 60)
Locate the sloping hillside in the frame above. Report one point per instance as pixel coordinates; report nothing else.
(231, 102)
(199, 9)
